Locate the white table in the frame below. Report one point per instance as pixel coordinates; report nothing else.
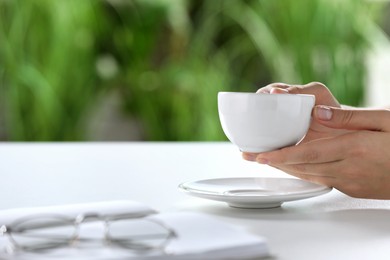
(331, 226)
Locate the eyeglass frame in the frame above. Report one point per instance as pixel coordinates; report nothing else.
(89, 217)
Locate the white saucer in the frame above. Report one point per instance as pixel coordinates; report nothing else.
(253, 192)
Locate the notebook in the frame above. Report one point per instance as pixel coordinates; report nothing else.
(196, 235)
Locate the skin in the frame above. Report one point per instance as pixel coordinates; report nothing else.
(345, 148)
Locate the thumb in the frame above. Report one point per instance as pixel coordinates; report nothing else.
(352, 119)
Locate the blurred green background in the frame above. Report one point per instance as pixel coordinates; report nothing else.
(91, 70)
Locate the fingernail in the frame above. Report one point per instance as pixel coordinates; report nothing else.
(323, 112)
(278, 91)
(250, 157)
(262, 91)
(262, 160)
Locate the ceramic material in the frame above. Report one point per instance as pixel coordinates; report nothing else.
(253, 192)
(263, 122)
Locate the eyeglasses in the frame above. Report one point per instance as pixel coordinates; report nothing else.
(130, 231)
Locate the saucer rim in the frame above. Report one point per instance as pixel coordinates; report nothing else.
(254, 199)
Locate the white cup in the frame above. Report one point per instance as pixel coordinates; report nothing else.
(260, 122)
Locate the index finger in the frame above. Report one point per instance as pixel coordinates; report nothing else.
(318, 151)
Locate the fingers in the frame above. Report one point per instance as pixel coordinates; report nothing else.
(351, 179)
(312, 88)
(337, 174)
(318, 151)
(270, 87)
(329, 181)
(314, 161)
(353, 119)
(322, 93)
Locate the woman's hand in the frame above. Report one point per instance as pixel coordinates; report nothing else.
(323, 97)
(356, 162)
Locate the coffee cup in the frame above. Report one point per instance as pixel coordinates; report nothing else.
(260, 122)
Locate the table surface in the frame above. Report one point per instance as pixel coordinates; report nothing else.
(331, 226)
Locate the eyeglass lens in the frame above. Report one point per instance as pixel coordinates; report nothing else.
(43, 233)
(137, 234)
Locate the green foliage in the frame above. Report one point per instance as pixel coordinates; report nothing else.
(299, 41)
(172, 58)
(47, 50)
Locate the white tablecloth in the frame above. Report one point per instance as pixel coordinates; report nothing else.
(331, 226)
